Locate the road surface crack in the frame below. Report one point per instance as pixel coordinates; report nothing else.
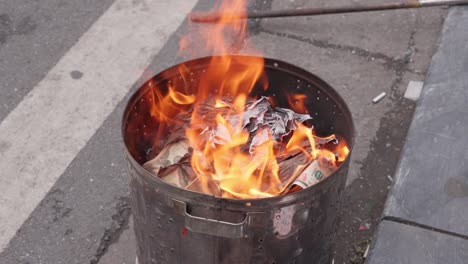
(119, 223)
(394, 64)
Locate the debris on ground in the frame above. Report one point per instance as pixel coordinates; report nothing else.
(379, 97)
(365, 226)
(390, 178)
(360, 252)
(413, 91)
(366, 252)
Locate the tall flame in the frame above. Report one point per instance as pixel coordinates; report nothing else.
(221, 158)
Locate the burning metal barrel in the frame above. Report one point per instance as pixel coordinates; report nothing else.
(177, 225)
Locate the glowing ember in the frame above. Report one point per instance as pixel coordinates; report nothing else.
(240, 147)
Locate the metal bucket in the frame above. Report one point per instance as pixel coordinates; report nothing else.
(174, 225)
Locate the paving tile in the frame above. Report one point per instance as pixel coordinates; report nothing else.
(381, 34)
(431, 181)
(399, 243)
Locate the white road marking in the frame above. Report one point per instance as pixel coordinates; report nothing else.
(44, 133)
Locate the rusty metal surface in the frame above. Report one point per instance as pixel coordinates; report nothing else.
(173, 225)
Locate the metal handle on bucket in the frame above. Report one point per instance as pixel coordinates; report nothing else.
(212, 226)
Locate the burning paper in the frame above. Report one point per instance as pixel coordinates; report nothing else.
(271, 143)
(260, 119)
(313, 174)
(171, 154)
(179, 174)
(280, 121)
(172, 164)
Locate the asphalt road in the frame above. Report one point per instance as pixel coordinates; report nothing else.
(68, 67)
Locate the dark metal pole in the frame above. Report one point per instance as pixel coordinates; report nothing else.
(216, 17)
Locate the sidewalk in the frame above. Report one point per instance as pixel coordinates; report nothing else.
(426, 218)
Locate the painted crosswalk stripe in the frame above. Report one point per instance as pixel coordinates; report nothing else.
(43, 134)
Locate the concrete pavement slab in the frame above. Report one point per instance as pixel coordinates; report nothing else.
(427, 28)
(431, 182)
(364, 198)
(381, 34)
(401, 243)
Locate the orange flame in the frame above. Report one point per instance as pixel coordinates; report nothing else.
(219, 155)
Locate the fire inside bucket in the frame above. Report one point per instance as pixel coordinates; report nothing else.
(221, 129)
(175, 225)
(204, 133)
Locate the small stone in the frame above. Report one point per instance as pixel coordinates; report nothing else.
(76, 75)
